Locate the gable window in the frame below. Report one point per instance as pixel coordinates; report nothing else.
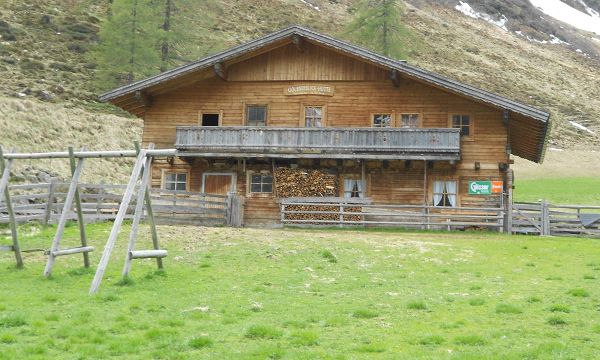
(261, 183)
(464, 123)
(353, 188)
(175, 181)
(409, 120)
(256, 115)
(444, 193)
(313, 116)
(382, 120)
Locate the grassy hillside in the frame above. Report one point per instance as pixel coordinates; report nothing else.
(45, 54)
(316, 294)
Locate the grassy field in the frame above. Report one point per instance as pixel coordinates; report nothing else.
(575, 190)
(308, 294)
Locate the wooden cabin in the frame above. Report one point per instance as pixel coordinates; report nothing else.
(378, 128)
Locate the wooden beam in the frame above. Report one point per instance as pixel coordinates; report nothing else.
(5, 168)
(144, 98)
(298, 43)
(82, 235)
(220, 71)
(395, 77)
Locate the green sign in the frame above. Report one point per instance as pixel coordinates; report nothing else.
(485, 187)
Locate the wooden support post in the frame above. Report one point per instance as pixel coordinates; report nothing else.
(49, 203)
(5, 168)
(509, 206)
(139, 210)
(545, 218)
(425, 209)
(220, 71)
(82, 235)
(63, 217)
(110, 244)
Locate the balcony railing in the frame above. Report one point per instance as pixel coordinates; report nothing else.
(376, 143)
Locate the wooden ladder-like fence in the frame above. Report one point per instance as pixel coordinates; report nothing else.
(561, 220)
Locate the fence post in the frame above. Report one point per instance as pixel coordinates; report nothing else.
(341, 216)
(545, 218)
(282, 213)
(48, 211)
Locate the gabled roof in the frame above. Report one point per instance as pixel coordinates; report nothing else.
(542, 117)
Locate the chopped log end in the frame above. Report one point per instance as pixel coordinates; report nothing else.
(144, 254)
(77, 250)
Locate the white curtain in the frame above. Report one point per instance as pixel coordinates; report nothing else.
(451, 190)
(438, 190)
(351, 185)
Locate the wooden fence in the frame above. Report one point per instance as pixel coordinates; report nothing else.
(548, 219)
(43, 202)
(362, 212)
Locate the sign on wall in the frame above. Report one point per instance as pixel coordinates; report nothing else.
(309, 89)
(485, 187)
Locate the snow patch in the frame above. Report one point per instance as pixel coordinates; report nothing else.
(466, 9)
(581, 127)
(563, 12)
(555, 40)
(311, 5)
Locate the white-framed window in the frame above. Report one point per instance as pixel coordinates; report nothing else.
(382, 120)
(409, 120)
(175, 181)
(313, 116)
(261, 183)
(256, 115)
(444, 193)
(464, 123)
(353, 188)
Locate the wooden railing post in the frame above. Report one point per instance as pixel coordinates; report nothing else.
(341, 216)
(49, 203)
(545, 218)
(5, 169)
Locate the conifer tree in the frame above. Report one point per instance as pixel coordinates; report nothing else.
(127, 49)
(377, 25)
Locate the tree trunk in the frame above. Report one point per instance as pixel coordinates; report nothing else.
(166, 48)
(130, 75)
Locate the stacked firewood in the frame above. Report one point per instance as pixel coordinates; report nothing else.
(310, 183)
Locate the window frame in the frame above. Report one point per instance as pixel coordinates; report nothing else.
(249, 183)
(471, 135)
(392, 119)
(267, 113)
(419, 119)
(202, 112)
(165, 172)
(456, 194)
(355, 177)
(303, 106)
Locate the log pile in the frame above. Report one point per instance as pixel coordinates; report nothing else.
(311, 183)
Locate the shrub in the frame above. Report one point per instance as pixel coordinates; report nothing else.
(579, 292)
(263, 332)
(417, 305)
(507, 309)
(364, 314)
(200, 342)
(471, 340)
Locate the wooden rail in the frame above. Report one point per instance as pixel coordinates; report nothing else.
(391, 143)
(348, 212)
(562, 220)
(44, 202)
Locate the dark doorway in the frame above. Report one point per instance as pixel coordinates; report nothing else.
(210, 119)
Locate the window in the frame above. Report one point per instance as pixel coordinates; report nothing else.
(353, 188)
(175, 181)
(313, 116)
(409, 120)
(261, 183)
(444, 193)
(256, 115)
(462, 122)
(382, 120)
(210, 119)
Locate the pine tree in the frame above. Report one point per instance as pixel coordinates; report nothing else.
(377, 25)
(128, 40)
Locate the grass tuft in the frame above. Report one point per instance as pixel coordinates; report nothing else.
(556, 321)
(533, 299)
(431, 340)
(364, 314)
(470, 340)
(370, 348)
(305, 338)
(8, 339)
(416, 305)
(200, 342)
(12, 320)
(560, 308)
(263, 332)
(80, 271)
(476, 302)
(329, 256)
(589, 277)
(507, 309)
(578, 292)
(125, 281)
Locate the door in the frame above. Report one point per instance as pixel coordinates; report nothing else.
(218, 183)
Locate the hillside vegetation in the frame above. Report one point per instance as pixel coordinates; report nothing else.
(46, 59)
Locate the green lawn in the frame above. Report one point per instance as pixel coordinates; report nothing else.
(309, 294)
(578, 190)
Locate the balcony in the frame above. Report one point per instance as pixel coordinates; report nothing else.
(330, 143)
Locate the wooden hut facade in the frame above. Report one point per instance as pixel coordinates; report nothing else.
(375, 127)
